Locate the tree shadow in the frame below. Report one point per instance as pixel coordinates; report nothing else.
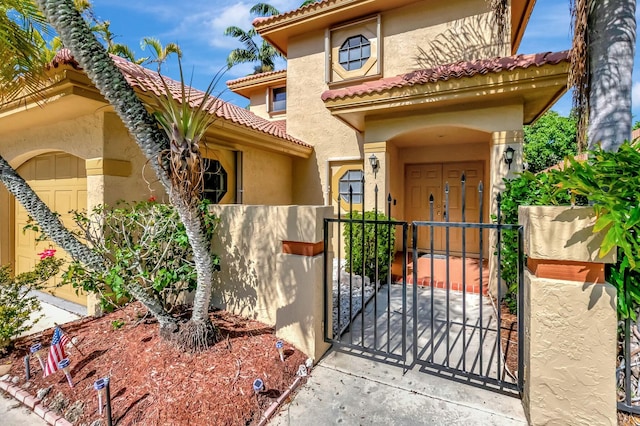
(87, 359)
(130, 407)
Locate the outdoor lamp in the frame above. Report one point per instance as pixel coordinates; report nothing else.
(508, 156)
(375, 164)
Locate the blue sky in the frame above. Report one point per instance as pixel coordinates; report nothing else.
(198, 26)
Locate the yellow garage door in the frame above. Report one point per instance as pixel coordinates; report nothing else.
(61, 182)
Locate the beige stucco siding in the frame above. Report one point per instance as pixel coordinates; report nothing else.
(267, 177)
(309, 120)
(446, 31)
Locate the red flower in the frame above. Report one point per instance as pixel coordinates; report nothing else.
(152, 199)
(47, 254)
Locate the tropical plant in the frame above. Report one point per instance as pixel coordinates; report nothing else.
(143, 242)
(602, 52)
(369, 248)
(161, 53)
(21, 60)
(198, 333)
(611, 182)
(253, 51)
(17, 302)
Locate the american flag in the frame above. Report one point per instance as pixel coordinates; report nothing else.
(56, 353)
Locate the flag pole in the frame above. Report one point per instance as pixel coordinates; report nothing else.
(70, 340)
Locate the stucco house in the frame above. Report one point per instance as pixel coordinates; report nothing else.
(426, 89)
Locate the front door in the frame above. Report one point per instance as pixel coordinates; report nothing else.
(423, 181)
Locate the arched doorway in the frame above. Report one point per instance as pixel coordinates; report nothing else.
(60, 180)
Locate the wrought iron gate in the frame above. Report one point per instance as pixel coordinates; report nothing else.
(427, 306)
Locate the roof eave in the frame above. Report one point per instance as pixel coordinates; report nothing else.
(511, 84)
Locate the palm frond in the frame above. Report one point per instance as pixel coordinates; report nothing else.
(264, 9)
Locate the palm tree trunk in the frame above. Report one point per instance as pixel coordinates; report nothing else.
(59, 234)
(93, 58)
(612, 38)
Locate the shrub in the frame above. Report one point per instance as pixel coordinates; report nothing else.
(143, 242)
(16, 301)
(353, 236)
(527, 189)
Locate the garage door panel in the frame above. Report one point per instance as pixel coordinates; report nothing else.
(55, 178)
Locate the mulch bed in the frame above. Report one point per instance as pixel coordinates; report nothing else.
(152, 382)
(509, 336)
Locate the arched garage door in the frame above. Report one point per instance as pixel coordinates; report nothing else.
(61, 181)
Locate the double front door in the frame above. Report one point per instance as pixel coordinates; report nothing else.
(425, 180)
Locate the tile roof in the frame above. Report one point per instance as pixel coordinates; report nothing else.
(449, 72)
(149, 81)
(259, 76)
(267, 20)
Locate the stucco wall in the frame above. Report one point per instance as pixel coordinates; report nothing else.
(258, 280)
(427, 34)
(267, 178)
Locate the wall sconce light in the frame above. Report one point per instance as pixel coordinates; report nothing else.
(508, 156)
(375, 164)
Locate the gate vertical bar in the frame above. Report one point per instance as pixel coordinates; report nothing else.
(447, 279)
(464, 276)
(404, 292)
(499, 285)
(338, 275)
(325, 318)
(431, 277)
(377, 278)
(350, 264)
(481, 269)
(627, 347)
(520, 307)
(389, 248)
(414, 249)
(364, 266)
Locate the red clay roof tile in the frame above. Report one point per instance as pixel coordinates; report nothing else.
(149, 81)
(449, 72)
(256, 77)
(283, 16)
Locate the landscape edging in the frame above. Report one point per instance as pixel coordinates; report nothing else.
(34, 404)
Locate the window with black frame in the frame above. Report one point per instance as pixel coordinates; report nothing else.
(354, 52)
(215, 181)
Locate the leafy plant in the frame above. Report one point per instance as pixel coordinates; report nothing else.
(527, 189)
(117, 324)
(16, 301)
(143, 242)
(611, 183)
(374, 257)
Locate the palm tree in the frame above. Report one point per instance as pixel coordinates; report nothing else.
(601, 68)
(160, 52)
(21, 60)
(198, 333)
(263, 53)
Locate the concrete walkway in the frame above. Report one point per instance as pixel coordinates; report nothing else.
(13, 413)
(348, 390)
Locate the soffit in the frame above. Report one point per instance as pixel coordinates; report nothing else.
(278, 29)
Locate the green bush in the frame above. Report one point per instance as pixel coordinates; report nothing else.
(144, 243)
(353, 238)
(16, 304)
(527, 189)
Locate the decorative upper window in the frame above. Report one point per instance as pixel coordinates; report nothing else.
(215, 181)
(351, 179)
(279, 99)
(354, 52)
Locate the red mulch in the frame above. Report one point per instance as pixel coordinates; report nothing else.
(509, 336)
(153, 383)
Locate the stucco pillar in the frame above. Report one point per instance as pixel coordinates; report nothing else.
(499, 170)
(570, 320)
(381, 178)
(102, 188)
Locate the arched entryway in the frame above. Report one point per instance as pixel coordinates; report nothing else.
(60, 180)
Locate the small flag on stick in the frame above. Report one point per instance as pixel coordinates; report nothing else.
(56, 352)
